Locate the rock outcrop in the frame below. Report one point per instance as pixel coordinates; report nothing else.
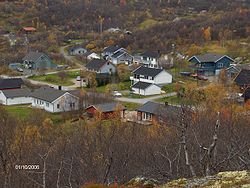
(233, 179)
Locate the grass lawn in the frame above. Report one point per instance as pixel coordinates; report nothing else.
(171, 100)
(130, 106)
(147, 24)
(55, 79)
(21, 112)
(24, 111)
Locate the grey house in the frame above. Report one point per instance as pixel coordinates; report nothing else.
(111, 50)
(38, 60)
(77, 50)
(101, 66)
(121, 57)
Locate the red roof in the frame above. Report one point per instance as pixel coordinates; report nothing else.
(29, 29)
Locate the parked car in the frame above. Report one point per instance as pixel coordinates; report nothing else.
(117, 94)
(78, 78)
(19, 69)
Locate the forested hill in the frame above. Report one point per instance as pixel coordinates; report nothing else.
(155, 24)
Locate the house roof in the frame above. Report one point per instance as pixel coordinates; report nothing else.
(111, 49)
(12, 93)
(147, 71)
(10, 83)
(247, 93)
(142, 85)
(75, 47)
(29, 29)
(47, 94)
(108, 107)
(209, 57)
(96, 64)
(151, 54)
(158, 109)
(243, 77)
(117, 54)
(33, 56)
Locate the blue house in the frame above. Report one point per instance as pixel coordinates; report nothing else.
(210, 64)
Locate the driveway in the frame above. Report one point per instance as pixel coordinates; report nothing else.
(144, 100)
(70, 58)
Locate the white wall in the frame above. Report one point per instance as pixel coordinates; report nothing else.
(151, 90)
(18, 100)
(63, 102)
(2, 98)
(163, 78)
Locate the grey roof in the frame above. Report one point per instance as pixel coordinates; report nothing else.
(147, 71)
(33, 56)
(95, 64)
(151, 54)
(12, 93)
(47, 94)
(209, 57)
(117, 54)
(10, 83)
(243, 77)
(109, 107)
(75, 47)
(158, 109)
(141, 85)
(111, 49)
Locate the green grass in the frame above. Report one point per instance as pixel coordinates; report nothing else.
(23, 112)
(147, 24)
(55, 79)
(130, 106)
(171, 100)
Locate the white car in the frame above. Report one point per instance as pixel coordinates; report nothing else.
(117, 94)
(78, 78)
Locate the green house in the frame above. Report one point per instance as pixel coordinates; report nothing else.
(38, 61)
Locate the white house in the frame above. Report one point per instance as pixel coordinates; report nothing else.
(53, 100)
(149, 59)
(100, 66)
(121, 57)
(91, 55)
(148, 81)
(15, 96)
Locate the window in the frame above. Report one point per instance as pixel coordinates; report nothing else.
(47, 104)
(147, 116)
(220, 65)
(58, 106)
(108, 63)
(138, 76)
(134, 75)
(146, 77)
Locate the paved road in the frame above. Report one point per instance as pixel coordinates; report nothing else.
(144, 100)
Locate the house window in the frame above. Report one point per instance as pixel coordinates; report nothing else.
(58, 106)
(138, 76)
(146, 77)
(47, 104)
(72, 105)
(108, 63)
(134, 75)
(220, 65)
(147, 116)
